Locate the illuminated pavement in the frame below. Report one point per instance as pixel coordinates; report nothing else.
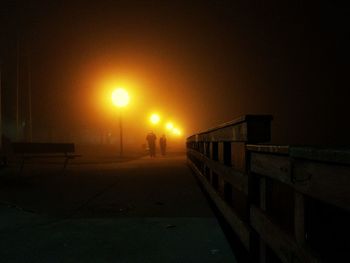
(145, 210)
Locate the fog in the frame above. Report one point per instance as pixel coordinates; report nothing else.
(197, 64)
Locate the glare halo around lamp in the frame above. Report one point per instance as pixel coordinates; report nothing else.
(120, 99)
(155, 118)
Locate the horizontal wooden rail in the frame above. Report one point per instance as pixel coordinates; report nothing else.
(283, 244)
(235, 177)
(276, 198)
(241, 228)
(315, 179)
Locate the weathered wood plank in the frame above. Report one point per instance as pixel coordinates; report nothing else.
(278, 149)
(238, 156)
(230, 133)
(248, 128)
(191, 138)
(324, 181)
(242, 229)
(327, 182)
(301, 172)
(238, 179)
(281, 243)
(274, 166)
(340, 156)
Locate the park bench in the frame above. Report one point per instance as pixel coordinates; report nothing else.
(26, 151)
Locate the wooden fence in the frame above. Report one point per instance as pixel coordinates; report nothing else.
(285, 203)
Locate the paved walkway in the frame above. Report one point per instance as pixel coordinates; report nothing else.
(145, 210)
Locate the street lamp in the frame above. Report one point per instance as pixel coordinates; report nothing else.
(154, 119)
(169, 126)
(120, 99)
(176, 131)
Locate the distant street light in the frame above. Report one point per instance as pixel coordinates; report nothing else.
(154, 118)
(169, 126)
(176, 131)
(120, 99)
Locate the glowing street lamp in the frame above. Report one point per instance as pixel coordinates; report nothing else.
(169, 126)
(154, 119)
(176, 131)
(120, 99)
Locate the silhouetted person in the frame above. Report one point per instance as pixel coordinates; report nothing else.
(151, 139)
(162, 144)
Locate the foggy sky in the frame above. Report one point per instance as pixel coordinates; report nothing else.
(200, 62)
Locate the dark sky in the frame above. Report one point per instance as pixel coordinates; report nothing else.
(199, 62)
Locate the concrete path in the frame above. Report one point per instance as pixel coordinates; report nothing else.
(145, 210)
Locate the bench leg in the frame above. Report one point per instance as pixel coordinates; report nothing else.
(65, 165)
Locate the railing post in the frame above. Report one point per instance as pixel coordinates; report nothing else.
(224, 168)
(299, 218)
(262, 203)
(272, 195)
(238, 156)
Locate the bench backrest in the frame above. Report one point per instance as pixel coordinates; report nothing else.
(37, 148)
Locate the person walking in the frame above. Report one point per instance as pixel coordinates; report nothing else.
(162, 144)
(151, 139)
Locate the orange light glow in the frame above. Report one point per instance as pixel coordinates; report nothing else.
(176, 131)
(120, 97)
(169, 126)
(155, 118)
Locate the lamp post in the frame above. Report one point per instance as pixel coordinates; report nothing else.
(120, 99)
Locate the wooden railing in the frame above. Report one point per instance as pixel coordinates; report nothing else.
(285, 204)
